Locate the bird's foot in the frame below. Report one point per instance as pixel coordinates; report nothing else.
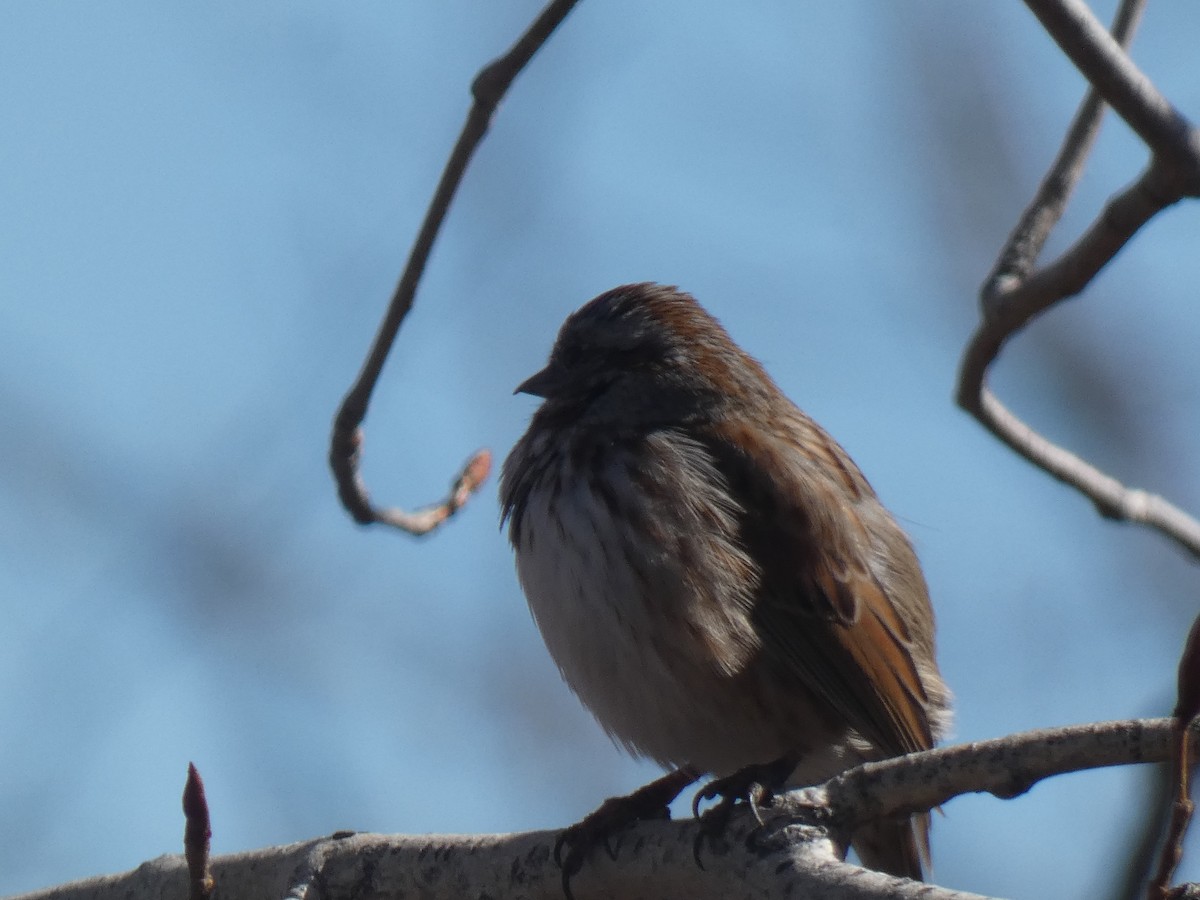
(754, 785)
(614, 815)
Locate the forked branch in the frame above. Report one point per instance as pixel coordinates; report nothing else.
(1016, 291)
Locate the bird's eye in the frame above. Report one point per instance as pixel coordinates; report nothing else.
(569, 354)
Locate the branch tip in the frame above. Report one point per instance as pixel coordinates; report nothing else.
(423, 521)
(345, 448)
(197, 835)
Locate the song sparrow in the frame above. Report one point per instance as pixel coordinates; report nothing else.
(711, 572)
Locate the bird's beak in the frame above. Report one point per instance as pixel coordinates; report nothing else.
(541, 384)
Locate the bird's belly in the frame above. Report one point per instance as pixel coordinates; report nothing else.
(619, 618)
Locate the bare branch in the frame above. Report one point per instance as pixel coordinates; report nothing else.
(794, 856)
(1005, 767)
(1113, 499)
(1025, 243)
(346, 441)
(1187, 703)
(1144, 837)
(1187, 707)
(1182, 807)
(1010, 309)
(653, 861)
(1103, 61)
(1011, 295)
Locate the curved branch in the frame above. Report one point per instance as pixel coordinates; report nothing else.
(345, 445)
(1011, 295)
(1009, 310)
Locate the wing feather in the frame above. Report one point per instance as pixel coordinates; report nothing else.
(824, 612)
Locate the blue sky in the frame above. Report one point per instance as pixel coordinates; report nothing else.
(205, 212)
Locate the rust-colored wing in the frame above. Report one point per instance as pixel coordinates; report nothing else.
(830, 553)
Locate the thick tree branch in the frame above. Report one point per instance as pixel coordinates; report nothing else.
(794, 856)
(345, 448)
(654, 861)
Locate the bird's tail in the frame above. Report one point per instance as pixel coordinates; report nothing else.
(897, 846)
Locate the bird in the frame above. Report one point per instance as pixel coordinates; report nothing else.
(713, 575)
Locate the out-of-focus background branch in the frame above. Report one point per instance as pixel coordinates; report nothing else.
(203, 212)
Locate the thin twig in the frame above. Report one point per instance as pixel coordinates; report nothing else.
(1182, 807)
(1011, 295)
(1144, 837)
(1187, 707)
(1027, 239)
(345, 447)
(1105, 64)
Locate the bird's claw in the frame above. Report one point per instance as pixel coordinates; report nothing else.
(614, 815)
(754, 785)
